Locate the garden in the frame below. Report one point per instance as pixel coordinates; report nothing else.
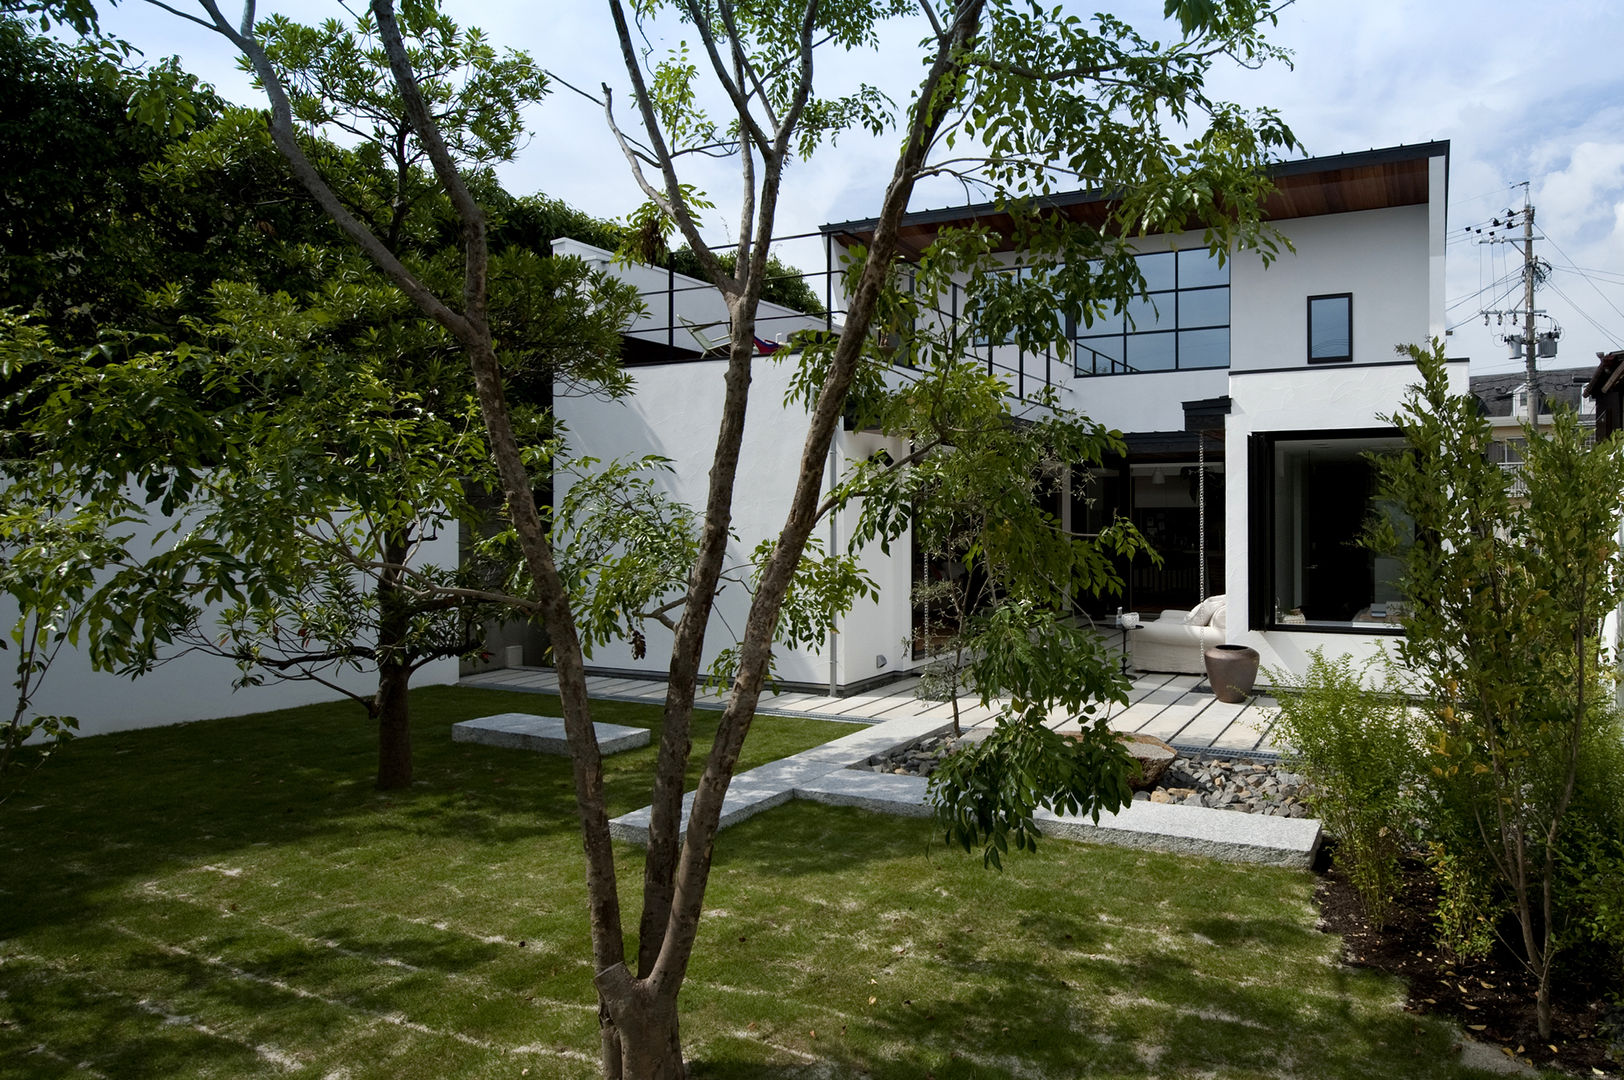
(235, 898)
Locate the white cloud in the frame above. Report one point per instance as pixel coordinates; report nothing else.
(1519, 97)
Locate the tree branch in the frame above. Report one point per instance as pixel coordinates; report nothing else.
(674, 203)
(287, 141)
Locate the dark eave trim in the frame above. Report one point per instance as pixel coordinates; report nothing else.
(1390, 155)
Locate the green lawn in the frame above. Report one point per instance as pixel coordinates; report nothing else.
(233, 899)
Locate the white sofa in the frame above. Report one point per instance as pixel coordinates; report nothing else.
(1176, 640)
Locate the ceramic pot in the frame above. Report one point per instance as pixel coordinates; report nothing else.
(1231, 671)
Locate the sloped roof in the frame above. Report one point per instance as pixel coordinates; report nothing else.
(1494, 392)
(1368, 180)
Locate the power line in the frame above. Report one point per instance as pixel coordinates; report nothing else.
(1585, 315)
(1593, 285)
(1458, 301)
(1492, 304)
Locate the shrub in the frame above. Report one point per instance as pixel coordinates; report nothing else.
(1505, 599)
(1356, 746)
(1590, 885)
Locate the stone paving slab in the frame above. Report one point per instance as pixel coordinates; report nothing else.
(1151, 695)
(880, 792)
(543, 734)
(1176, 717)
(1244, 734)
(1210, 724)
(736, 807)
(1196, 830)
(861, 745)
(762, 788)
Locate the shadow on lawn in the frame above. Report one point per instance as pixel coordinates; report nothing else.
(1016, 1019)
(128, 805)
(1019, 975)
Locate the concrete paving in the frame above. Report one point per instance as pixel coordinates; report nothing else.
(543, 734)
(1172, 707)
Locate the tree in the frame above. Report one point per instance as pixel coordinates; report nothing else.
(329, 433)
(1502, 629)
(972, 490)
(1038, 92)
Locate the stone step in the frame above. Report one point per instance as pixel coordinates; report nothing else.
(543, 734)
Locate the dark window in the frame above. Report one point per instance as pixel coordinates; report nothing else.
(1180, 321)
(1330, 328)
(1312, 495)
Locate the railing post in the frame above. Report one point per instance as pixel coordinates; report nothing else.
(829, 284)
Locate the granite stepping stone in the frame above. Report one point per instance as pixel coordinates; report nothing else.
(543, 734)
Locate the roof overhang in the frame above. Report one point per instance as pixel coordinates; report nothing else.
(1343, 183)
(1609, 370)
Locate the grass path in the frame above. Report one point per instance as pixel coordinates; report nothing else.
(232, 899)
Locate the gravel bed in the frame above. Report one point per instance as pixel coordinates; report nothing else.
(1223, 783)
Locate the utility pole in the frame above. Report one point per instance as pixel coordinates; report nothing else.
(1528, 341)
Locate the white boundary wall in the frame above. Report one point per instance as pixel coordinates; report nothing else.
(194, 686)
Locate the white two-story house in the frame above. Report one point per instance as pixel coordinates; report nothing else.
(1247, 396)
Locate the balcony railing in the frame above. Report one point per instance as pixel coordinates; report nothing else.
(1518, 488)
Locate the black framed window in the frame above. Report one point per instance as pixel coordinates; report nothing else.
(1330, 328)
(1179, 322)
(1311, 494)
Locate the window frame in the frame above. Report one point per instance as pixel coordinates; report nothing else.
(1167, 304)
(1346, 358)
(1261, 506)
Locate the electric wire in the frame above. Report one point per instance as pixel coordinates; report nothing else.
(1605, 332)
(1546, 237)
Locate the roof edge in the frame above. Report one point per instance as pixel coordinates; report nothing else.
(1299, 167)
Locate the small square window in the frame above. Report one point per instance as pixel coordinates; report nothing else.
(1330, 328)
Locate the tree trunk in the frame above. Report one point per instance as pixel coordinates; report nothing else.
(394, 728)
(649, 1042)
(390, 705)
(638, 1025)
(1542, 1003)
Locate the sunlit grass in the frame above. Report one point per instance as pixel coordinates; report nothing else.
(233, 899)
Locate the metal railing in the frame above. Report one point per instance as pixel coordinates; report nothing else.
(1518, 488)
(703, 326)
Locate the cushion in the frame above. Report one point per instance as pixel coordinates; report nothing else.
(1203, 613)
(1220, 618)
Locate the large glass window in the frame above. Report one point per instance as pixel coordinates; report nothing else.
(1312, 495)
(1180, 321)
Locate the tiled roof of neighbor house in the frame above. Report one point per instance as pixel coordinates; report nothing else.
(1494, 392)
(1368, 180)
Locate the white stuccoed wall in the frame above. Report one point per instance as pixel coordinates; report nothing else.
(675, 412)
(193, 686)
(1380, 256)
(1391, 260)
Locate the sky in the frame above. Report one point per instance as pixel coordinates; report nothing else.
(1523, 94)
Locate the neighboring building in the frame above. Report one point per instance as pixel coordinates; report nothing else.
(1504, 401)
(1605, 392)
(1248, 396)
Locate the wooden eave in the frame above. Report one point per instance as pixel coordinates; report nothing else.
(1372, 180)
